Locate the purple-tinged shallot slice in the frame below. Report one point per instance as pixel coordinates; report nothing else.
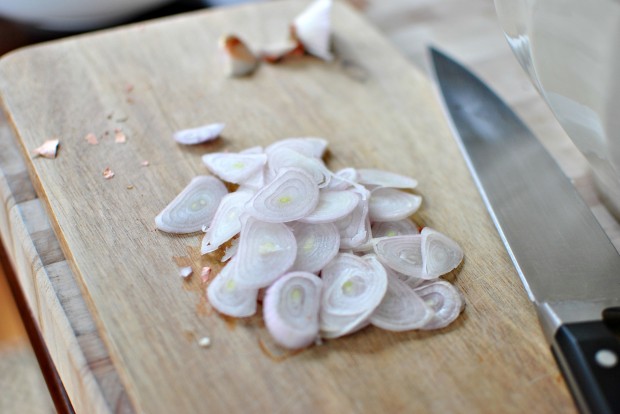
(234, 167)
(440, 254)
(266, 252)
(401, 309)
(198, 135)
(354, 228)
(317, 244)
(291, 309)
(445, 300)
(227, 297)
(389, 204)
(401, 253)
(240, 60)
(353, 287)
(342, 179)
(48, 149)
(313, 29)
(226, 222)
(280, 158)
(308, 146)
(402, 227)
(381, 178)
(290, 196)
(332, 206)
(194, 206)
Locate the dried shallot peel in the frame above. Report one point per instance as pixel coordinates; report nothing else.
(291, 309)
(193, 207)
(445, 301)
(199, 135)
(240, 60)
(228, 297)
(352, 289)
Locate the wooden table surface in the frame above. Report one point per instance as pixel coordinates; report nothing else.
(468, 32)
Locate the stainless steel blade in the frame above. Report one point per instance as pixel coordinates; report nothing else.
(567, 263)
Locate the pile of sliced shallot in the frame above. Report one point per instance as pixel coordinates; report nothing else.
(333, 251)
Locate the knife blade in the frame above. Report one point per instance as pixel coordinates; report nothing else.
(567, 264)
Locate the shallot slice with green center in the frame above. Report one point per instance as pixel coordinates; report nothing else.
(332, 206)
(440, 254)
(194, 207)
(352, 289)
(317, 244)
(198, 135)
(228, 297)
(444, 299)
(394, 228)
(389, 204)
(308, 146)
(401, 309)
(290, 196)
(226, 222)
(401, 253)
(291, 309)
(380, 178)
(266, 252)
(234, 167)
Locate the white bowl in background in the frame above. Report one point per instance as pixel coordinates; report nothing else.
(74, 15)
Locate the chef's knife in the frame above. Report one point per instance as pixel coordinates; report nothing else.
(568, 265)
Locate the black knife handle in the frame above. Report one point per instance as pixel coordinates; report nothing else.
(589, 355)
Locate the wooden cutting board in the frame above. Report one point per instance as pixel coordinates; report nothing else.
(376, 110)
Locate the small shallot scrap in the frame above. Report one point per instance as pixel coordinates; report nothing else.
(204, 342)
(185, 272)
(108, 173)
(130, 187)
(91, 139)
(49, 149)
(144, 163)
(240, 60)
(205, 273)
(119, 136)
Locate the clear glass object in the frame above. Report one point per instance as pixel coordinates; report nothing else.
(571, 51)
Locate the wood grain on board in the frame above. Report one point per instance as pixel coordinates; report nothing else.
(151, 79)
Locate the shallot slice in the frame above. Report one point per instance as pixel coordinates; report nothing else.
(198, 135)
(394, 228)
(352, 289)
(290, 196)
(234, 167)
(312, 28)
(355, 227)
(228, 297)
(308, 146)
(342, 179)
(332, 206)
(381, 178)
(317, 244)
(402, 253)
(194, 206)
(291, 309)
(239, 58)
(444, 299)
(401, 309)
(389, 204)
(226, 222)
(440, 254)
(266, 252)
(287, 158)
